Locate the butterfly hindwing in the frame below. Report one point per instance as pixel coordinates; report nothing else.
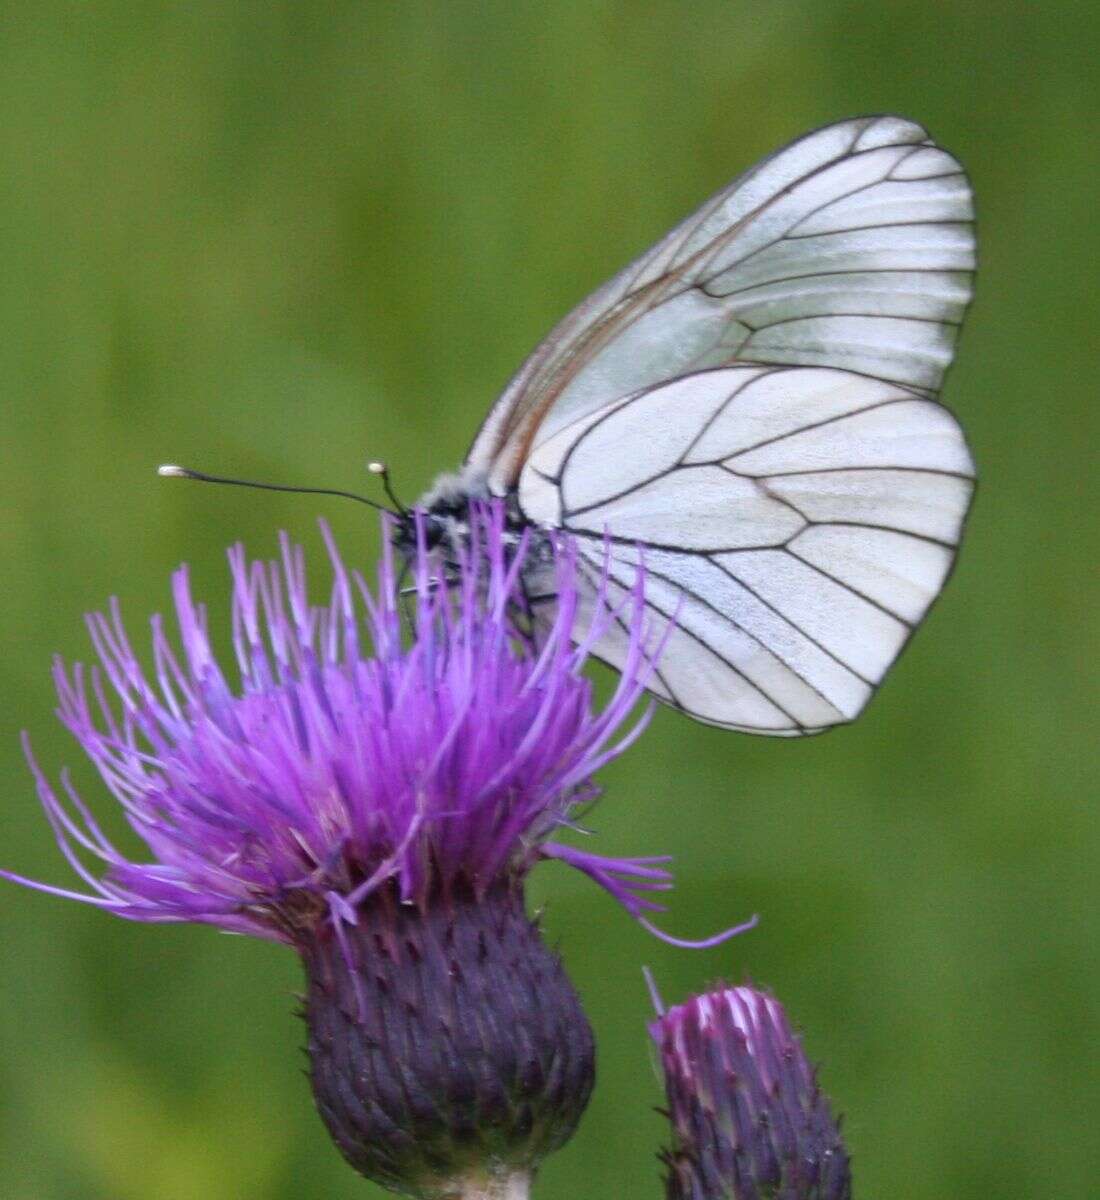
(795, 522)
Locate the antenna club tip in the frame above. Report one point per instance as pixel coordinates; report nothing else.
(377, 468)
(172, 471)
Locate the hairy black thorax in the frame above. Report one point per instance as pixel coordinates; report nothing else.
(443, 517)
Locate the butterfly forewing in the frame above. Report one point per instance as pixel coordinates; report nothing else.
(852, 247)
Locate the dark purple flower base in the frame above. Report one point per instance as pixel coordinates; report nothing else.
(444, 1038)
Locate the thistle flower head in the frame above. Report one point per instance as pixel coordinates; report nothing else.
(352, 754)
(748, 1119)
(373, 792)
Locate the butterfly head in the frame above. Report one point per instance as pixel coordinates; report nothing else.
(440, 518)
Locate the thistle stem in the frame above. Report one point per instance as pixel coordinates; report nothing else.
(501, 1187)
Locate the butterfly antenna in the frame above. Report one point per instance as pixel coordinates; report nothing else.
(172, 471)
(380, 469)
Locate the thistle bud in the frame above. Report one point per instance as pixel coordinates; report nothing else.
(748, 1120)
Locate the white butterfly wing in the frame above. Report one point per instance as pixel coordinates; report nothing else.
(853, 247)
(797, 522)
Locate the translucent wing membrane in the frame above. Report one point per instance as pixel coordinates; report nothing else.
(850, 248)
(796, 522)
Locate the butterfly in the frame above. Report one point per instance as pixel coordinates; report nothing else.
(750, 410)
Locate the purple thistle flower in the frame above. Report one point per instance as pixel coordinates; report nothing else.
(452, 755)
(748, 1119)
(375, 796)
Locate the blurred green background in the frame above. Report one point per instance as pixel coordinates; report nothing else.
(275, 239)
